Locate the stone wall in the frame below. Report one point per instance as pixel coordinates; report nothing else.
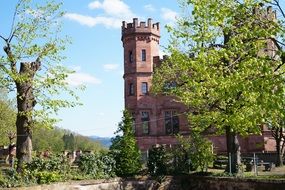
(168, 183)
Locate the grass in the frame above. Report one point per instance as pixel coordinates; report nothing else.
(277, 173)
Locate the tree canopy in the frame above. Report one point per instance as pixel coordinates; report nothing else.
(226, 66)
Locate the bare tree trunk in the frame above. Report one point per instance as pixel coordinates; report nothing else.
(233, 150)
(25, 103)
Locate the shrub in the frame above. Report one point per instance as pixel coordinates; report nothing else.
(199, 150)
(157, 161)
(54, 163)
(163, 161)
(99, 165)
(46, 177)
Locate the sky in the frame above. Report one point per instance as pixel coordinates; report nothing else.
(96, 54)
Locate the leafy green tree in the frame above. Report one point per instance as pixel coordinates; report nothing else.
(47, 139)
(226, 68)
(69, 141)
(30, 63)
(125, 149)
(86, 144)
(7, 118)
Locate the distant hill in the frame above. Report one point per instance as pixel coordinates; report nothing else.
(105, 141)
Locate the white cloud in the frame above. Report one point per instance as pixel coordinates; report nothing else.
(149, 7)
(110, 67)
(108, 22)
(116, 8)
(168, 14)
(115, 11)
(80, 78)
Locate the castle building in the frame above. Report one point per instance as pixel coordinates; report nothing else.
(158, 118)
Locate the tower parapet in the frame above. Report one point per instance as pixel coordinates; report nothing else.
(267, 13)
(140, 27)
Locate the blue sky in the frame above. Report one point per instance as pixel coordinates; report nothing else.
(96, 53)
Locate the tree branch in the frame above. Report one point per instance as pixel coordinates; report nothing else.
(11, 58)
(3, 38)
(12, 32)
(279, 7)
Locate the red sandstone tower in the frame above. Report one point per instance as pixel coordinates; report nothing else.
(157, 119)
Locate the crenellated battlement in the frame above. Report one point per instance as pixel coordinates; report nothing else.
(267, 13)
(140, 27)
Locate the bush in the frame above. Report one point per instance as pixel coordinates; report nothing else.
(54, 163)
(157, 161)
(199, 150)
(46, 177)
(100, 165)
(170, 161)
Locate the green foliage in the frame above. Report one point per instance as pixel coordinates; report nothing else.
(125, 150)
(224, 62)
(46, 177)
(47, 139)
(199, 150)
(229, 79)
(7, 119)
(172, 161)
(69, 141)
(99, 165)
(157, 161)
(54, 163)
(54, 140)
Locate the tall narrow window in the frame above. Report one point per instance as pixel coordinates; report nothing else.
(144, 88)
(145, 122)
(143, 55)
(171, 122)
(134, 122)
(131, 89)
(131, 57)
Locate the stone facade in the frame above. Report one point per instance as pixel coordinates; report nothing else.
(158, 118)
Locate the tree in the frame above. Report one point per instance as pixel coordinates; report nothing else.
(125, 149)
(30, 64)
(225, 67)
(69, 141)
(7, 118)
(47, 139)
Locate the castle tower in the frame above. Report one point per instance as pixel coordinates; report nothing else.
(153, 119)
(141, 44)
